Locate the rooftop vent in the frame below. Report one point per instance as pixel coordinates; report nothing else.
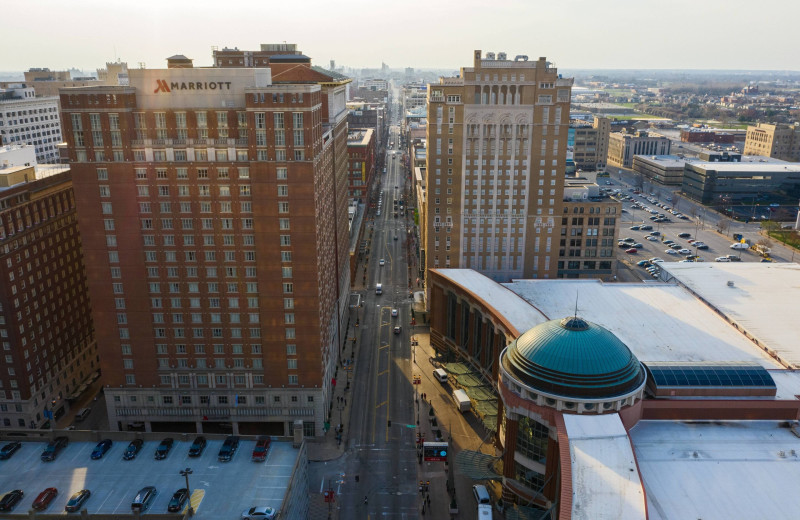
(521, 57)
(730, 283)
(502, 56)
(489, 55)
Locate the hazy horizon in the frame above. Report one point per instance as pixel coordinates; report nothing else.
(574, 35)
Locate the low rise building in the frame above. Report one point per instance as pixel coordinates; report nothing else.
(708, 182)
(622, 146)
(663, 169)
(698, 135)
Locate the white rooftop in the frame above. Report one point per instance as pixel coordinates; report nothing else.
(658, 322)
(718, 470)
(762, 300)
(518, 312)
(605, 480)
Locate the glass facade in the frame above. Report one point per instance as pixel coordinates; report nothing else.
(532, 439)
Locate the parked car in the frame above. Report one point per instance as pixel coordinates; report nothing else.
(45, 497)
(77, 500)
(734, 258)
(259, 513)
(670, 251)
(101, 449)
(684, 235)
(228, 449)
(631, 251)
(684, 251)
(722, 259)
(669, 242)
(178, 499)
(638, 245)
(197, 447)
(141, 502)
(9, 449)
(132, 449)
(163, 448)
(739, 245)
(11, 499)
(656, 260)
(646, 227)
(634, 228)
(260, 451)
(53, 448)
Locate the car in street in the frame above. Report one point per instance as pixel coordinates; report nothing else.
(197, 447)
(42, 501)
(132, 449)
(670, 251)
(228, 448)
(163, 448)
(260, 451)
(394, 313)
(397, 330)
(684, 235)
(722, 259)
(101, 449)
(11, 499)
(631, 251)
(685, 251)
(259, 513)
(77, 500)
(382, 262)
(9, 449)
(178, 499)
(53, 448)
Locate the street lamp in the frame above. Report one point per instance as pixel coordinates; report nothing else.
(186, 472)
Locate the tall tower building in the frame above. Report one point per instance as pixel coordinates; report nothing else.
(213, 213)
(497, 143)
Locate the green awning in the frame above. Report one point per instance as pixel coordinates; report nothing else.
(476, 465)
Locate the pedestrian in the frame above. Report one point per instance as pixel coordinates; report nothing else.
(365, 499)
(345, 402)
(429, 500)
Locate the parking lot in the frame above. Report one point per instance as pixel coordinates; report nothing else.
(227, 488)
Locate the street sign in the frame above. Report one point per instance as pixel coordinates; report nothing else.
(330, 496)
(417, 379)
(434, 451)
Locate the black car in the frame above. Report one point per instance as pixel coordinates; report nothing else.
(77, 500)
(9, 449)
(228, 448)
(133, 449)
(163, 449)
(177, 500)
(101, 449)
(53, 448)
(11, 499)
(197, 447)
(684, 235)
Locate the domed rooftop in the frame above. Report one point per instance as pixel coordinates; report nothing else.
(574, 358)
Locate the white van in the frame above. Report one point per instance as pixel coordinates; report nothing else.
(440, 374)
(739, 245)
(379, 289)
(484, 512)
(462, 400)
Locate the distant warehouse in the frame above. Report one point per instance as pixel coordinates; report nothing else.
(707, 182)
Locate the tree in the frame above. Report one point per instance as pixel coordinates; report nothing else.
(724, 225)
(676, 199)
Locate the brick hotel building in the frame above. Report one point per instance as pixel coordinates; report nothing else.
(212, 203)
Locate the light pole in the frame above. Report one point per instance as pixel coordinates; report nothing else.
(186, 472)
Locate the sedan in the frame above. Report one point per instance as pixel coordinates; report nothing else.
(669, 242)
(177, 500)
(197, 447)
(700, 245)
(656, 260)
(631, 251)
(651, 238)
(638, 245)
(670, 251)
(11, 499)
(163, 448)
(382, 262)
(45, 497)
(394, 313)
(133, 449)
(685, 252)
(259, 513)
(684, 235)
(634, 228)
(397, 330)
(101, 449)
(676, 246)
(9, 449)
(77, 500)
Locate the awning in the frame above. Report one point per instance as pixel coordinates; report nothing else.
(476, 465)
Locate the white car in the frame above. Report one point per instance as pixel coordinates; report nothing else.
(656, 260)
(382, 262)
(259, 513)
(394, 313)
(670, 251)
(685, 252)
(651, 238)
(722, 259)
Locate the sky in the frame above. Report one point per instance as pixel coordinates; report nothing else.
(573, 34)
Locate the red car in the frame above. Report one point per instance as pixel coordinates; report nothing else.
(631, 250)
(260, 451)
(45, 497)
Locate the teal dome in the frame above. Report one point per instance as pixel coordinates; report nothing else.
(574, 358)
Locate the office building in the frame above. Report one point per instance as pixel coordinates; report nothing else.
(776, 141)
(369, 115)
(361, 155)
(235, 58)
(663, 169)
(590, 144)
(497, 142)
(702, 135)
(622, 146)
(714, 182)
(46, 330)
(28, 119)
(213, 213)
(620, 400)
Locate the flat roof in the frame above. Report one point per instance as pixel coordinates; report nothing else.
(665, 161)
(605, 479)
(230, 487)
(762, 300)
(657, 321)
(522, 315)
(718, 470)
(747, 166)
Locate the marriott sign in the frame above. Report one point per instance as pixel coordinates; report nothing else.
(163, 86)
